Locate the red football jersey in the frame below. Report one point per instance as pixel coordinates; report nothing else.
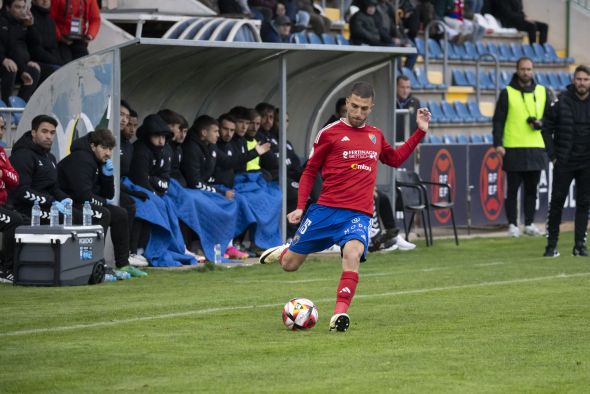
(347, 157)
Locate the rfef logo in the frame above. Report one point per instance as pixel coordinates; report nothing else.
(443, 171)
(491, 185)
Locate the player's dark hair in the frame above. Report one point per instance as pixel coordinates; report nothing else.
(37, 120)
(170, 117)
(203, 122)
(523, 59)
(583, 69)
(402, 78)
(264, 108)
(102, 137)
(240, 113)
(132, 113)
(126, 105)
(363, 90)
(8, 3)
(226, 117)
(183, 122)
(341, 102)
(253, 114)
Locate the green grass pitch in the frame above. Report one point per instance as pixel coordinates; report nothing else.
(489, 316)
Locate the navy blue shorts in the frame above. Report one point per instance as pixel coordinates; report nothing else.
(325, 226)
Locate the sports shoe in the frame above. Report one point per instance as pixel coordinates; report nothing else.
(339, 322)
(403, 244)
(233, 253)
(138, 260)
(513, 231)
(134, 272)
(532, 230)
(580, 250)
(272, 255)
(198, 257)
(551, 251)
(391, 248)
(6, 276)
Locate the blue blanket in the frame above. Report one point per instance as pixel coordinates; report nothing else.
(165, 247)
(259, 204)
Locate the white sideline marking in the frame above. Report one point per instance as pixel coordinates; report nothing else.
(236, 308)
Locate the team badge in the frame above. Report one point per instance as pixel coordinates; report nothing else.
(373, 138)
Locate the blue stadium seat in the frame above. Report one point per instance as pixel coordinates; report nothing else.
(541, 78)
(434, 139)
(419, 45)
(476, 113)
(434, 49)
(450, 112)
(485, 81)
(541, 53)
(313, 38)
(555, 81)
(423, 81)
(565, 78)
(415, 83)
(476, 139)
(462, 139)
(340, 40)
(552, 54)
(493, 49)
(453, 51)
(530, 52)
(299, 38)
(517, 49)
(470, 50)
(463, 112)
(481, 48)
(437, 114)
(16, 102)
(328, 39)
(506, 52)
(449, 139)
(459, 77)
(488, 138)
(505, 80)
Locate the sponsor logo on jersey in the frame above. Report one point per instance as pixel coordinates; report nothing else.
(363, 167)
(360, 154)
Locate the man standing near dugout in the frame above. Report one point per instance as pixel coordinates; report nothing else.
(347, 154)
(567, 137)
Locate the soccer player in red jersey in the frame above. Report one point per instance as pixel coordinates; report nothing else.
(347, 154)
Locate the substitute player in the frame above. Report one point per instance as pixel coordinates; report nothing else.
(346, 152)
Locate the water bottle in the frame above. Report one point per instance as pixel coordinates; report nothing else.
(54, 215)
(87, 214)
(217, 250)
(36, 214)
(68, 214)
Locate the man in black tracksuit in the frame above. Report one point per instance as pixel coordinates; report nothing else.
(37, 168)
(179, 128)
(150, 168)
(566, 132)
(87, 175)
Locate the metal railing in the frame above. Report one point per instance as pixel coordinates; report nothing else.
(445, 48)
(477, 73)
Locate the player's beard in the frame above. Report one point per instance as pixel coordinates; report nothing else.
(354, 122)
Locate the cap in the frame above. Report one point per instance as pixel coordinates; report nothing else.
(282, 20)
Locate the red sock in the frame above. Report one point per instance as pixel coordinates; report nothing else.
(346, 289)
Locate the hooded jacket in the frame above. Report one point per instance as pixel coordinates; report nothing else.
(81, 177)
(176, 160)
(566, 130)
(37, 169)
(18, 42)
(151, 165)
(517, 159)
(45, 31)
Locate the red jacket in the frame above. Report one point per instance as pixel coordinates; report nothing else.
(9, 176)
(86, 10)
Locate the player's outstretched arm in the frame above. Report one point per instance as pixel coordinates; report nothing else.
(423, 117)
(295, 216)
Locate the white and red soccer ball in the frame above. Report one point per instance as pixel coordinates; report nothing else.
(300, 314)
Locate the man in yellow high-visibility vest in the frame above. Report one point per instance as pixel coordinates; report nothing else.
(517, 123)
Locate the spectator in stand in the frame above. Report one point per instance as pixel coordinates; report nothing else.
(410, 18)
(276, 30)
(473, 7)
(299, 18)
(465, 29)
(10, 219)
(386, 15)
(235, 8)
(87, 174)
(179, 127)
(319, 23)
(18, 47)
(44, 28)
(405, 100)
(263, 9)
(511, 14)
(365, 28)
(77, 22)
(340, 111)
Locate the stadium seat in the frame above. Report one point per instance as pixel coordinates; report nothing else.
(506, 52)
(476, 113)
(340, 40)
(484, 79)
(464, 113)
(493, 49)
(470, 50)
(517, 50)
(540, 52)
(488, 138)
(481, 48)
(552, 54)
(434, 49)
(462, 139)
(423, 81)
(450, 112)
(415, 83)
(328, 39)
(299, 38)
(313, 38)
(449, 139)
(459, 77)
(16, 102)
(437, 114)
(505, 80)
(453, 52)
(435, 139)
(530, 52)
(565, 77)
(476, 139)
(541, 78)
(555, 81)
(419, 45)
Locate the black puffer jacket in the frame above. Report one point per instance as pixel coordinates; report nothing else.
(198, 164)
(18, 42)
(37, 169)
(44, 29)
(566, 130)
(81, 177)
(151, 165)
(176, 160)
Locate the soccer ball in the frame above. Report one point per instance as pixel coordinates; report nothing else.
(300, 314)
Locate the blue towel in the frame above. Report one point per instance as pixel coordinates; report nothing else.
(210, 215)
(165, 247)
(259, 203)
